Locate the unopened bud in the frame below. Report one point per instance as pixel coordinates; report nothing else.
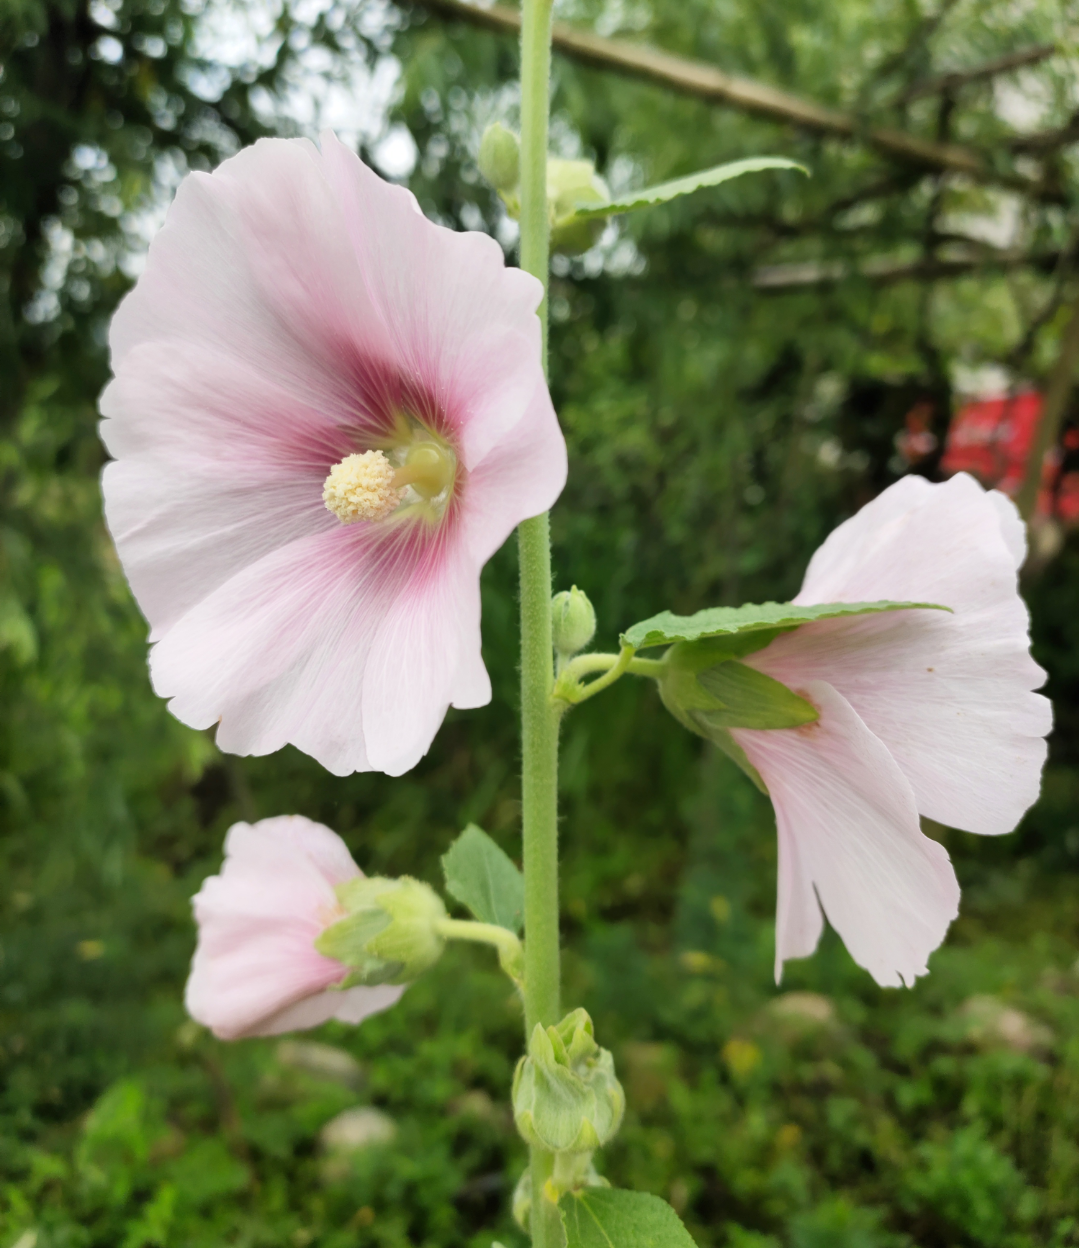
(389, 934)
(574, 184)
(566, 1096)
(500, 157)
(573, 621)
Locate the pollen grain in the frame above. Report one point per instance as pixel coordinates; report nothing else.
(361, 487)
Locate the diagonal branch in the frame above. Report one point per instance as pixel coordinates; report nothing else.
(705, 82)
(950, 82)
(882, 271)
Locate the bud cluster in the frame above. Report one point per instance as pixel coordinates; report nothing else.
(566, 1097)
(571, 185)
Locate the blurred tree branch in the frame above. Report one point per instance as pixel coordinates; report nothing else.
(757, 98)
(951, 82)
(881, 271)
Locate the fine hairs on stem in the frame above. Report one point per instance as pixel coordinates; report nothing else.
(539, 718)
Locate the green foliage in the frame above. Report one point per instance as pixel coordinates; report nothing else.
(768, 617)
(649, 196)
(598, 1217)
(484, 879)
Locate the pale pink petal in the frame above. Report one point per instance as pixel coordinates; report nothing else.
(258, 921)
(293, 307)
(848, 828)
(434, 625)
(323, 848)
(349, 1005)
(950, 694)
(460, 320)
(278, 654)
(833, 572)
(257, 256)
(522, 476)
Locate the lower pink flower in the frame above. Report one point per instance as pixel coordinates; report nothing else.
(921, 712)
(256, 971)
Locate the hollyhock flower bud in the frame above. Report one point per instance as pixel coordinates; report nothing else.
(389, 934)
(566, 1096)
(573, 621)
(500, 157)
(327, 414)
(256, 970)
(918, 712)
(572, 184)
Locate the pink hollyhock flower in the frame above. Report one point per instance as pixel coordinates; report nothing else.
(327, 414)
(256, 971)
(921, 712)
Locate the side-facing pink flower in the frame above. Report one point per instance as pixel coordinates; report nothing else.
(256, 971)
(327, 414)
(921, 712)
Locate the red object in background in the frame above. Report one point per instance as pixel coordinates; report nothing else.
(991, 439)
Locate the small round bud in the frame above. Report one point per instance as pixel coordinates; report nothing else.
(571, 185)
(573, 621)
(389, 933)
(566, 1096)
(500, 157)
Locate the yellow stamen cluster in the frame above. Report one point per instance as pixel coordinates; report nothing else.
(362, 487)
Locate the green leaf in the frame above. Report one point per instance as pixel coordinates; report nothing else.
(666, 629)
(665, 191)
(608, 1217)
(484, 879)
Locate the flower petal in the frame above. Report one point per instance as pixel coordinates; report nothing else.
(848, 827)
(258, 921)
(352, 1005)
(278, 653)
(461, 321)
(520, 477)
(950, 695)
(257, 256)
(293, 308)
(425, 656)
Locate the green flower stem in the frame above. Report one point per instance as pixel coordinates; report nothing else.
(568, 688)
(482, 934)
(539, 718)
(511, 954)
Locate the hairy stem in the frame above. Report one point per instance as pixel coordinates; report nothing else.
(539, 719)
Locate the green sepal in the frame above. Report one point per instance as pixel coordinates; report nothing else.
(750, 699)
(710, 692)
(346, 941)
(667, 629)
(663, 192)
(610, 1217)
(389, 934)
